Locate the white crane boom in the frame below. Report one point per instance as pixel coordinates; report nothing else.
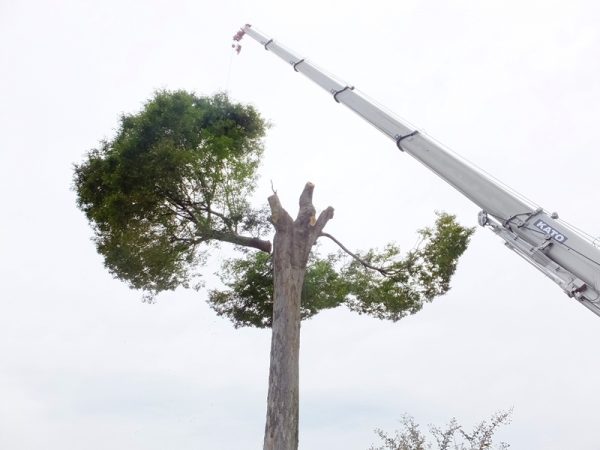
(563, 255)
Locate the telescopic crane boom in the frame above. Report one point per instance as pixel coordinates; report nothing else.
(560, 253)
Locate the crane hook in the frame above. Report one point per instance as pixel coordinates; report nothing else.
(237, 37)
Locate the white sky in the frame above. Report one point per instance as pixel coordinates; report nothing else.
(511, 85)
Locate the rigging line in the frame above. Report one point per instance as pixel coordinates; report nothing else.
(567, 246)
(451, 151)
(581, 232)
(229, 73)
(485, 172)
(406, 122)
(386, 110)
(514, 216)
(329, 74)
(460, 157)
(577, 231)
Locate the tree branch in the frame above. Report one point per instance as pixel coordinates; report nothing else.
(279, 216)
(178, 204)
(190, 207)
(226, 220)
(355, 256)
(325, 216)
(189, 241)
(306, 213)
(237, 239)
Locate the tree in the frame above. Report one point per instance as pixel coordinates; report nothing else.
(174, 183)
(452, 437)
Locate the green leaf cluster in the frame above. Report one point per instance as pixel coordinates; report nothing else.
(248, 298)
(411, 280)
(401, 286)
(177, 174)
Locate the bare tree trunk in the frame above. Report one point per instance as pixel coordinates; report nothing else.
(291, 247)
(281, 431)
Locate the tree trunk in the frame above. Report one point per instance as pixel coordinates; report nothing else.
(291, 247)
(281, 431)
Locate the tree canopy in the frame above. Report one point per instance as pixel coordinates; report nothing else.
(176, 175)
(176, 179)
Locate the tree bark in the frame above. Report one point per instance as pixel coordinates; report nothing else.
(244, 241)
(291, 247)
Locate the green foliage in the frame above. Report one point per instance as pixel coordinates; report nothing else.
(452, 437)
(248, 299)
(401, 287)
(176, 178)
(176, 175)
(408, 282)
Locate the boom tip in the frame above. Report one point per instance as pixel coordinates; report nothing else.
(237, 37)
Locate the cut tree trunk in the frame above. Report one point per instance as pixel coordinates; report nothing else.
(291, 247)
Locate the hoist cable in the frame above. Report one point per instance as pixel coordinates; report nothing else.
(229, 73)
(458, 156)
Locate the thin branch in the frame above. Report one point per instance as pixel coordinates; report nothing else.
(177, 213)
(226, 220)
(191, 206)
(177, 203)
(355, 256)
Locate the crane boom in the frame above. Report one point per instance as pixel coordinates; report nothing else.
(560, 253)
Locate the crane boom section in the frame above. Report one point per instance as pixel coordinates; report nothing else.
(561, 254)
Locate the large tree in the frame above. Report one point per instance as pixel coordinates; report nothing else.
(175, 181)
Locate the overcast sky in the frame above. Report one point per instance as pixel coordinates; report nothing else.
(511, 85)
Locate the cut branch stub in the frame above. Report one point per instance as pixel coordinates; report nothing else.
(305, 230)
(279, 216)
(307, 212)
(325, 216)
